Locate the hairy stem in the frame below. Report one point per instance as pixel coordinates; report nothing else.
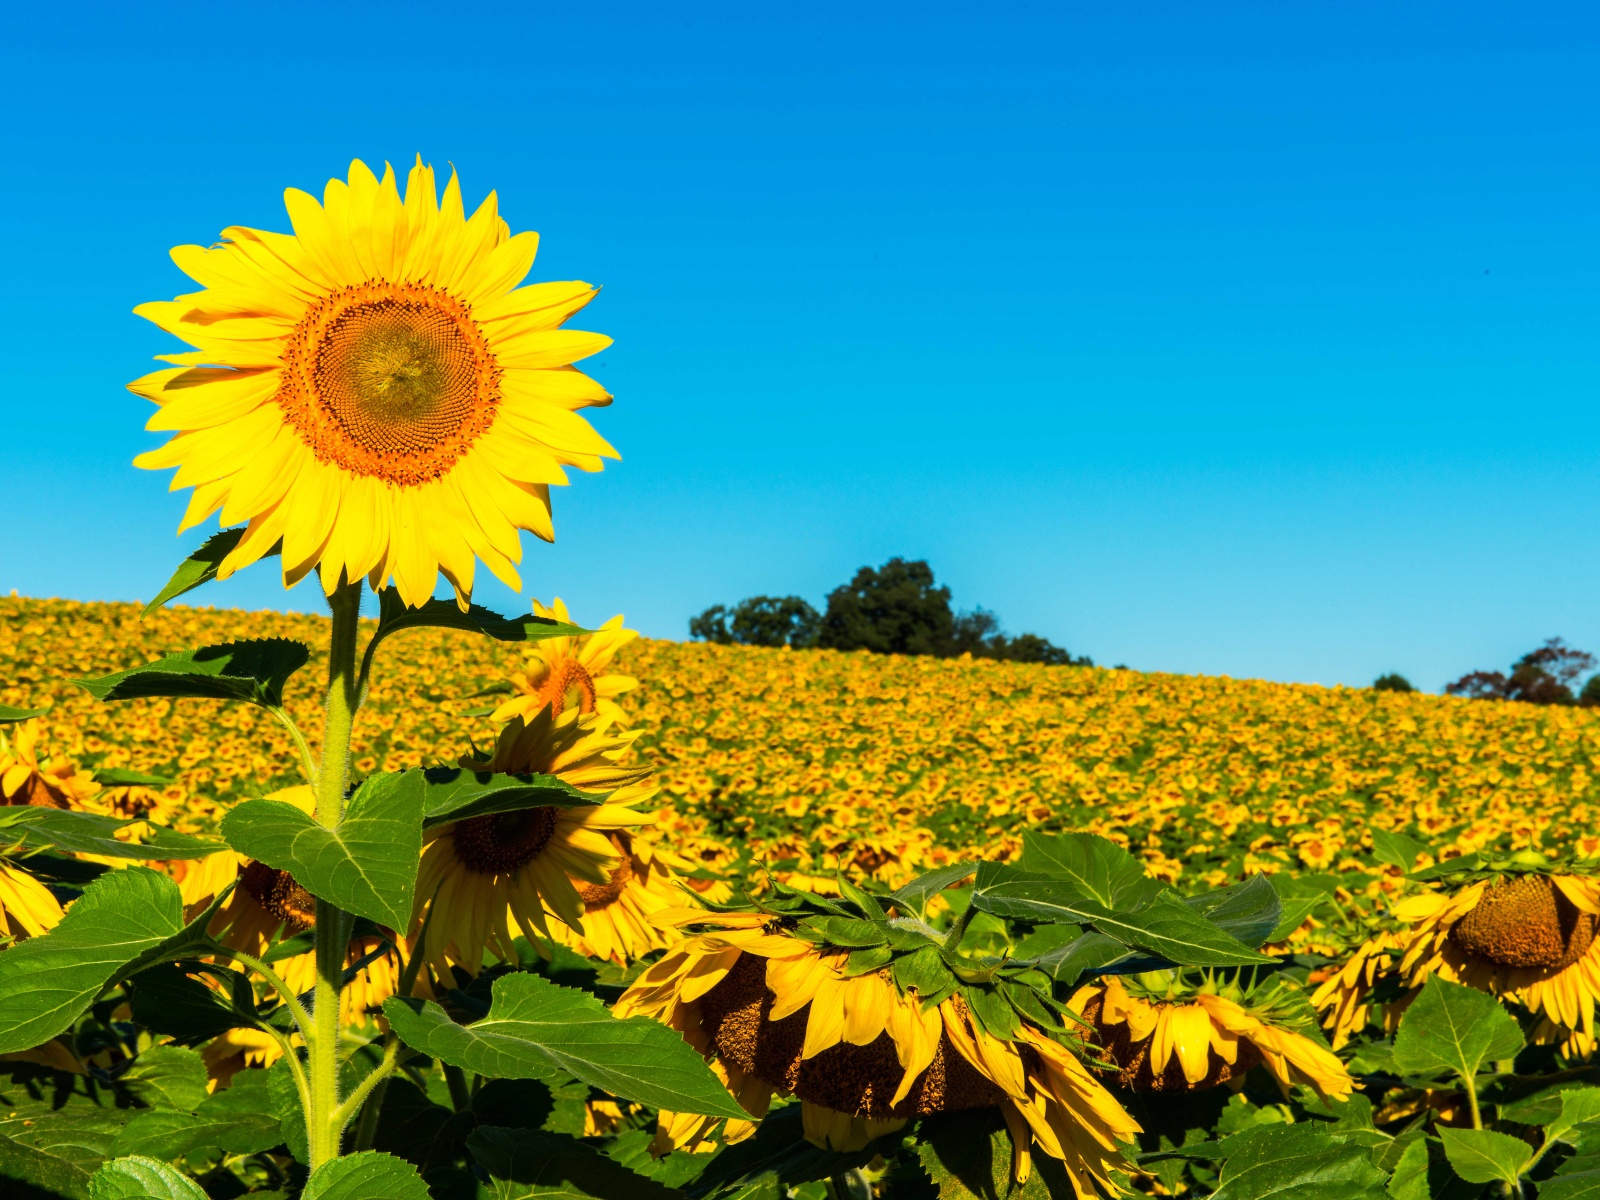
(456, 1081)
(1472, 1101)
(308, 765)
(323, 1123)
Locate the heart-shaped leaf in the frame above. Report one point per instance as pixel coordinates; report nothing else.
(1454, 1028)
(140, 1178)
(535, 1027)
(369, 1175)
(366, 866)
(254, 671)
(1100, 869)
(1484, 1156)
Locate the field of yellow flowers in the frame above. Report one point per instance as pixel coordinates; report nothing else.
(812, 761)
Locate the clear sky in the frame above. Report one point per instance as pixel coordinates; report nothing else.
(1255, 339)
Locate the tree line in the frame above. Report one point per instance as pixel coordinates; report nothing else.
(893, 609)
(1548, 675)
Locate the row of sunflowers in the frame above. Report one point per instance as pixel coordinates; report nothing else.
(821, 940)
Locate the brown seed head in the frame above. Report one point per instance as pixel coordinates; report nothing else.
(1525, 922)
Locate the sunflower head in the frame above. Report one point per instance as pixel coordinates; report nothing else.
(565, 673)
(28, 777)
(861, 1012)
(1525, 921)
(374, 391)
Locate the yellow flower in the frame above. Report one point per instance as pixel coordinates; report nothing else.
(1201, 1041)
(27, 907)
(1529, 939)
(52, 782)
(1344, 995)
(374, 390)
(237, 1050)
(487, 877)
(778, 1016)
(618, 915)
(566, 672)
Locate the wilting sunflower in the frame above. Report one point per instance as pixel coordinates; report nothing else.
(25, 778)
(375, 391)
(1345, 997)
(567, 672)
(488, 877)
(268, 906)
(1168, 1037)
(618, 916)
(27, 907)
(779, 1011)
(1526, 936)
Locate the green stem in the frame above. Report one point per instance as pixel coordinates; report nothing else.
(1472, 1101)
(308, 765)
(367, 1127)
(460, 1098)
(302, 1018)
(378, 1075)
(323, 1123)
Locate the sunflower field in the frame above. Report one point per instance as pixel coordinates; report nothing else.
(442, 902)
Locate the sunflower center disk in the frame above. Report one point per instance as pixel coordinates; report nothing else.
(598, 895)
(571, 683)
(278, 893)
(389, 380)
(1525, 923)
(858, 1080)
(502, 842)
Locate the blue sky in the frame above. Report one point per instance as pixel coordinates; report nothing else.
(1252, 339)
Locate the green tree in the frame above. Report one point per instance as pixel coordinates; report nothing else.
(759, 621)
(894, 609)
(1392, 682)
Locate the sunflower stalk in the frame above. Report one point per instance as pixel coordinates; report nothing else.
(326, 1118)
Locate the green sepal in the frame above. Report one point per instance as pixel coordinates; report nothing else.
(873, 958)
(923, 971)
(992, 1012)
(850, 932)
(1027, 1003)
(865, 901)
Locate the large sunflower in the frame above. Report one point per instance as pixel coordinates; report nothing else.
(778, 1013)
(488, 877)
(567, 672)
(1526, 937)
(375, 391)
(1166, 1038)
(43, 782)
(619, 916)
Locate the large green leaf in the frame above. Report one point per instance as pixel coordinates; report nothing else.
(59, 1152)
(1250, 911)
(1066, 962)
(367, 865)
(10, 715)
(1484, 1156)
(1166, 926)
(47, 982)
(253, 670)
(1297, 1162)
(167, 1000)
(140, 1178)
(1395, 848)
(916, 894)
(237, 1120)
(167, 1077)
(1449, 1027)
(394, 616)
(455, 794)
(534, 1027)
(1410, 1178)
(1098, 868)
(1575, 1179)
(201, 567)
(370, 1175)
(93, 833)
(525, 1163)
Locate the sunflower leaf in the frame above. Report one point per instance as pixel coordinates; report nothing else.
(236, 1120)
(923, 971)
(167, 1077)
(1454, 1028)
(527, 1163)
(123, 920)
(254, 671)
(10, 715)
(119, 777)
(139, 1178)
(1303, 1161)
(367, 865)
(56, 1152)
(968, 1156)
(94, 833)
(850, 931)
(1395, 848)
(456, 794)
(1099, 868)
(394, 616)
(535, 1027)
(200, 567)
(367, 1175)
(1250, 911)
(1165, 926)
(1484, 1156)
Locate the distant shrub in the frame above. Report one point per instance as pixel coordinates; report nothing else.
(1392, 682)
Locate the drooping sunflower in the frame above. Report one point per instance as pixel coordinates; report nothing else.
(1525, 936)
(27, 907)
(1168, 1037)
(618, 916)
(1345, 997)
(50, 782)
(375, 391)
(568, 672)
(486, 878)
(778, 1010)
